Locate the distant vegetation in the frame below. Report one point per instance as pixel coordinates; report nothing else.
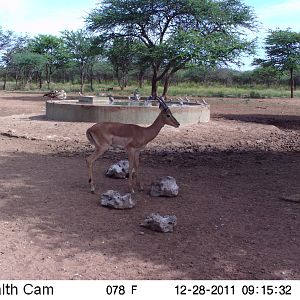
(166, 47)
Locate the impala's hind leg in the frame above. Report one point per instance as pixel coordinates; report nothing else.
(89, 162)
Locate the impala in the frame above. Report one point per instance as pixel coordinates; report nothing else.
(132, 137)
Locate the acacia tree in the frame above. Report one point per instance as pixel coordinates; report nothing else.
(175, 33)
(282, 52)
(5, 38)
(121, 55)
(6, 44)
(13, 44)
(81, 49)
(26, 64)
(63, 61)
(50, 46)
(266, 75)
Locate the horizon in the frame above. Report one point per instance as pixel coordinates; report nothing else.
(34, 17)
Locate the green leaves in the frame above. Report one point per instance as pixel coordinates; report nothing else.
(81, 49)
(283, 49)
(5, 38)
(283, 52)
(78, 43)
(45, 44)
(176, 24)
(177, 32)
(29, 61)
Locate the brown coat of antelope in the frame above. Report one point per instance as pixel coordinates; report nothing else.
(132, 137)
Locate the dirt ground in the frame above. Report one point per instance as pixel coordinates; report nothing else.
(233, 174)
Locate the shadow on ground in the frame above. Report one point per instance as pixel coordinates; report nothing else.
(33, 97)
(282, 122)
(231, 221)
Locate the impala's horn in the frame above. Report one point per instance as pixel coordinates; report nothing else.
(162, 103)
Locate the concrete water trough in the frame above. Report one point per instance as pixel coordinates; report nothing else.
(99, 109)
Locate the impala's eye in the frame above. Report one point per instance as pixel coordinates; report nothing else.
(168, 116)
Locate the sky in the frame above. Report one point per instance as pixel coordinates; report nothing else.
(44, 16)
(53, 16)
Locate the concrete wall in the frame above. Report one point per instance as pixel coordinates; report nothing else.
(73, 111)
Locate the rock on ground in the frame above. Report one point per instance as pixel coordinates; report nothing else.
(159, 223)
(118, 170)
(164, 186)
(113, 199)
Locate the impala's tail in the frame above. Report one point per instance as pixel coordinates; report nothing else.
(90, 137)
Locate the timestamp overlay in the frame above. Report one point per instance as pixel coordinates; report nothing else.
(144, 289)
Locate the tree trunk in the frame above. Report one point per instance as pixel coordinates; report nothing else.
(40, 80)
(50, 74)
(47, 75)
(167, 78)
(16, 78)
(64, 75)
(5, 79)
(28, 79)
(141, 78)
(22, 79)
(124, 79)
(154, 84)
(91, 78)
(166, 85)
(81, 77)
(292, 82)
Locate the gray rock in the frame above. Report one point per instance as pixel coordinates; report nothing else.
(118, 170)
(165, 187)
(159, 223)
(113, 199)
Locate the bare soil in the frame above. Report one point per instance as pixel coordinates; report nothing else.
(233, 174)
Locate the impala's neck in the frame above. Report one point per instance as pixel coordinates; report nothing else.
(154, 129)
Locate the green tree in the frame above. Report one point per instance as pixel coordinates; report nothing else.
(103, 71)
(51, 47)
(26, 64)
(175, 33)
(6, 43)
(13, 44)
(266, 75)
(121, 55)
(81, 49)
(282, 52)
(63, 62)
(5, 38)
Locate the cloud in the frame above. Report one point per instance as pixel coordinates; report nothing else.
(10, 11)
(11, 6)
(282, 15)
(44, 17)
(286, 7)
(50, 23)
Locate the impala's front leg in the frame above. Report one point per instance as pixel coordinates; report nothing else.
(137, 170)
(131, 152)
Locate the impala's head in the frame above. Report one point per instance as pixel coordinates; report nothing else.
(168, 118)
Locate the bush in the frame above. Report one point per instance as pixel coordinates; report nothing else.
(255, 95)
